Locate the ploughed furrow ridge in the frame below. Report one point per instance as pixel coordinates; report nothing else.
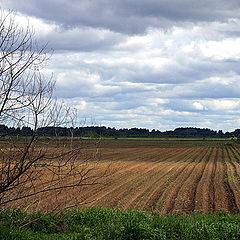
(156, 186)
(171, 194)
(111, 196)
(230, 160)
(232, 205)
(158, 155)
(212, 205)
(121, 195)
(185, 201)
(221, 201)
(235, 154)
(155, 196)
(147, 197)
(168, 155)
(136, 199)
(122, 172)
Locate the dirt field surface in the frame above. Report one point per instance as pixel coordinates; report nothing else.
(175, 177)
(165, 177)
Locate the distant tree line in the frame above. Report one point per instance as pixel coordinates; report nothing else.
(95, 131)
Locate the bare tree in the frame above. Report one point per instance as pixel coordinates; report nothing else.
(35, 170)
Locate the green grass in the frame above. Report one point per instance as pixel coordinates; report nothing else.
(100, 223)
(136, 143)
(168, 139)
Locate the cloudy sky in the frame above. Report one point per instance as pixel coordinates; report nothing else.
(143, 63)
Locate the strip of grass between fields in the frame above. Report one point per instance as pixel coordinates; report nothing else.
(100, 223)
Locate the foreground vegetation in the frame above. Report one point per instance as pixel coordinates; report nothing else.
(100, 223)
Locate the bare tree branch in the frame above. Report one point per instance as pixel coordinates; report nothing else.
(36, 166)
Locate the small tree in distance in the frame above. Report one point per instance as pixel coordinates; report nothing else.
(34, 170)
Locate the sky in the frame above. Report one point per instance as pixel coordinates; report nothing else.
(147, 63)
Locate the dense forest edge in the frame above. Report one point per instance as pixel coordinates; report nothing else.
(100, 223)
(102, 131)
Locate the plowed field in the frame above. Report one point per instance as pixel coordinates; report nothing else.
(182, 179)
(165, 177)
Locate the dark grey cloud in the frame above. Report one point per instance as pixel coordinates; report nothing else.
(127, 16)
(210, 90)
(230, 33)
(84, 40)
(175, 72)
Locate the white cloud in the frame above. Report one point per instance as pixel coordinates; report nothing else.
(198, 106)
(225, 49)
(156, 66)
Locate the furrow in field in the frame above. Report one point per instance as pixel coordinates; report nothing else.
(170, 154)
(129, 190)
(195, 181)
(190, 156)
(235, 155)
(129, 154)
(184, 156)
(212, 188)
(164, 195)
(186, 198)
(151, 187)
(194, 159)
(122, 172)
(154, 196)
(176, 156)
(234, 165)
(237, 152)
(237, 163)
(221, 200)
(153, 182)
(231, 159)
(111, 194)
(123, 197)
(232, 204)
(205, 190)
(134, 154)
(159, 156)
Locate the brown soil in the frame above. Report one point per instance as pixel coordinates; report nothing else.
(160, 179)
